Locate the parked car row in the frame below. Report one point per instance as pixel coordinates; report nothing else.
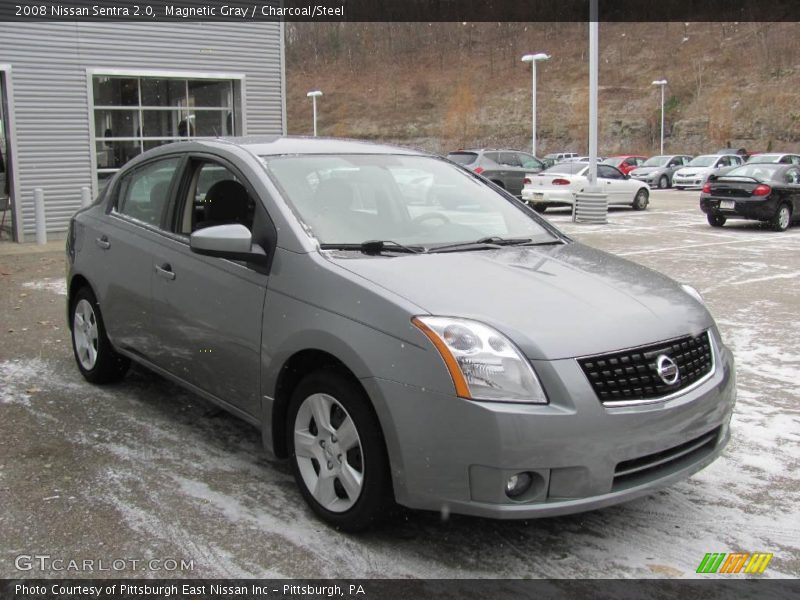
(762, 184)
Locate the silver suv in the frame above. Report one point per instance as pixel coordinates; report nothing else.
(460, 356)
(504, 168)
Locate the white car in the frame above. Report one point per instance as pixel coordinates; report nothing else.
(697, 172)
(558, 185)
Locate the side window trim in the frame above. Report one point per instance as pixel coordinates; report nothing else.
(122, 182)
(178, 203)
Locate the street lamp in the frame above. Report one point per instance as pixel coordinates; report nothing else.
(314, 95)
(661, 83)
(533, 59)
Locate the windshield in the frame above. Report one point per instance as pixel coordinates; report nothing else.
(703, 161)
(613, 160)
(409, 200)
(570, 168)
(656, 161)
(762, 172)
(463, 158)
(764, 158)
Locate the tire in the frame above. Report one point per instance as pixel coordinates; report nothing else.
(716, 220)
(663, 182)
(539, 207)
(350, 506)
(782, 218)
(641, 200)
(96, 358)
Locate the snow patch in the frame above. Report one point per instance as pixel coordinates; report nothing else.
(56, 285)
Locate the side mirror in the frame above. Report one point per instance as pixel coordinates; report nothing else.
(234, 242)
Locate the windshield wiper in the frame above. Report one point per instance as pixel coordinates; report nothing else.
(374, 247)
(491, 242)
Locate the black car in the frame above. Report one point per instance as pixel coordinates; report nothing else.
(505, 168)
(757, 191)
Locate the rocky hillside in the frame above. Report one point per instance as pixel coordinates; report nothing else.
(448, 85)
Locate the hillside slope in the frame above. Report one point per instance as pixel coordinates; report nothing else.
(448, 85)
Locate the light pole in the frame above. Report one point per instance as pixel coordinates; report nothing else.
(533, 59)
(314, 95)
(661, 83)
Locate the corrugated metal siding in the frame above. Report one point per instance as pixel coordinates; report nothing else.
(51, 108)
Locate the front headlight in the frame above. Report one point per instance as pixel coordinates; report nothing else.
(693, 293)
(484, 364)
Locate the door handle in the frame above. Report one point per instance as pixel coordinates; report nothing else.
(103, 242)
(165, 271)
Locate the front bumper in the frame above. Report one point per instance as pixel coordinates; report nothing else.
(690, 181)
(454, 455)
(762, 209)
(548, 197)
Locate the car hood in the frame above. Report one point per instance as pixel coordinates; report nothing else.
(645, 170)
(553, 301)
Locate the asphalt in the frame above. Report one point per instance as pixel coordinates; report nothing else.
(143, 470)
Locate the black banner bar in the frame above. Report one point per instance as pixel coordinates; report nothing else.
(398, 10)
(735, 586)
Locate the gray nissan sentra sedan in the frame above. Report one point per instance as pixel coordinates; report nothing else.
(399, 329)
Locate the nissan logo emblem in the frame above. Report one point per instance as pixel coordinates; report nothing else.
(667, 369)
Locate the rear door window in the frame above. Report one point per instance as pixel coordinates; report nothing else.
(509, 159)
(144, 193)
(609, 172)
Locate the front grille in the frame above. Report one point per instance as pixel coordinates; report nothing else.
(632, 375)
(660, 464)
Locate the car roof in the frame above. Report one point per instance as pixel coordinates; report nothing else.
(281, 145)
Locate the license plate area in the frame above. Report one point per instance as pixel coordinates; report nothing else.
(538, 195)
(727, 204)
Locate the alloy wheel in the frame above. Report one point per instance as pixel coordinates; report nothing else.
(328, 452)
(783, 217)
(84, 331)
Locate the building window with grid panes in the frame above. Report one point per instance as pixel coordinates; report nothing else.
(133, 114)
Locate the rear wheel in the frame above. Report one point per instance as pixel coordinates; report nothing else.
(663, 183)
(641, 200)
(716, 220)
(96, 358)
(782, 218)
(337, 451)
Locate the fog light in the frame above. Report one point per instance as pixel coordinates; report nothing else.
(518, 484)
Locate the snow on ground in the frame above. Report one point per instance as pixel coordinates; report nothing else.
(57, 285)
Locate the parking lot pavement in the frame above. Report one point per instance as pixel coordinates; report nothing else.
(145, 470)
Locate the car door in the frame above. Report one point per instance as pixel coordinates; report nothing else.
(511, 173)
(792, 179)
(122, 252)
(207, 311)
(614, 184)
(522, 165)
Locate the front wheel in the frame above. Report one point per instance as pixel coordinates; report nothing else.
(641, 200)
(337, 451)
(97, 360)
(716, 220)
(782, 218)
(663, 183)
